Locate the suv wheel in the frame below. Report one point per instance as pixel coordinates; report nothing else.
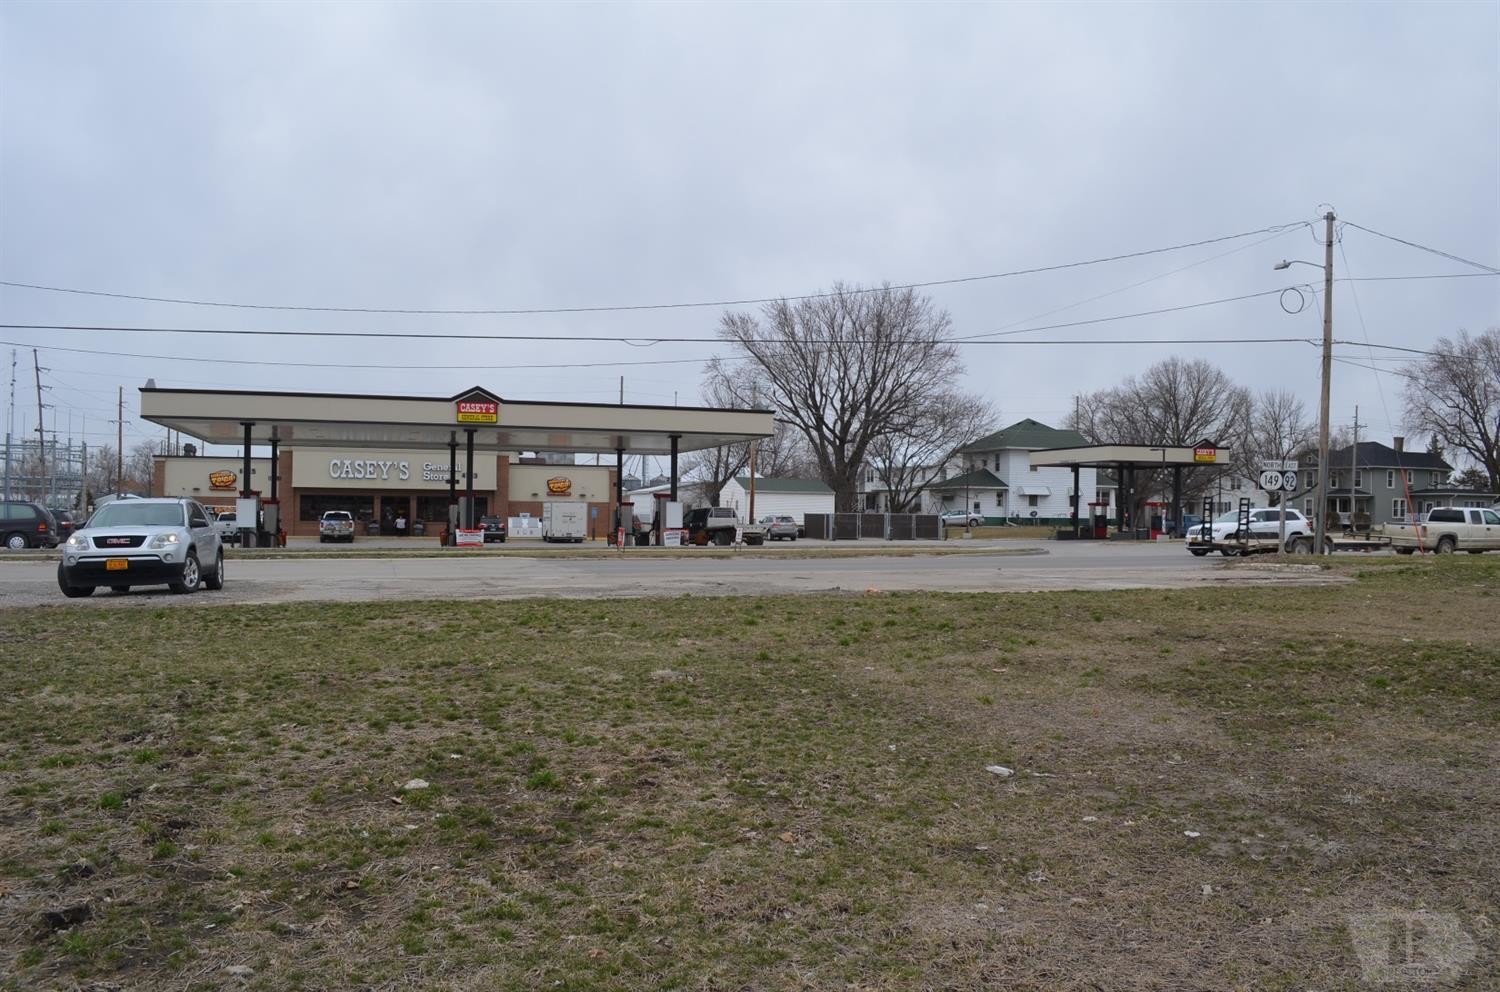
(190, 576)
(16, 542)
(215, 579)
(72, 592)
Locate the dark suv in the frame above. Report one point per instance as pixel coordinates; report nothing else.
(27, 525)
(494, 529)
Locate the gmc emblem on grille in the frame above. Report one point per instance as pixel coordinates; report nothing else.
(117, 540)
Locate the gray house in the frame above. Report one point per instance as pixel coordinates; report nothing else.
(1372, 483)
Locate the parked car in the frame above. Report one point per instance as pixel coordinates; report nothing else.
(1265, 525)
(1191, 521)
(24, 524)
(779, 527)
(228, 527)
(494, 529)
(961, 518)
(1446, 530)
(336, 525)
(711, 525)
(67, 522)
(143, 542)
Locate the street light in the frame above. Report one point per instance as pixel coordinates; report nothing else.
(1319, 519)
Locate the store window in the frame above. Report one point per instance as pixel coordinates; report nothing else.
(434, 509)
(312, 506)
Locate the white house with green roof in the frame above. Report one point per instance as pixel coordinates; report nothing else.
(1026, 492)
(793, 497)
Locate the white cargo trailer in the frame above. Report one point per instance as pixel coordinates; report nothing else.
(564, 521)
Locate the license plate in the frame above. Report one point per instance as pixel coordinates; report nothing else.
(116, 564)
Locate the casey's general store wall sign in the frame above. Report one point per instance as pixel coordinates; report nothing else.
(478, 412)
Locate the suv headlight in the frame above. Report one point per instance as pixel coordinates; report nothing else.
(164, 540)
(77, 542)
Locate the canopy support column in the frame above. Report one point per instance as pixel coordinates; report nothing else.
(675, 438)
(1177, 500)
(620, 520)
(1120, 498)
(468, 478)
(1076, 521)
(275, 464)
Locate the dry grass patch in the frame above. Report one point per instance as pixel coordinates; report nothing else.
(752, 793)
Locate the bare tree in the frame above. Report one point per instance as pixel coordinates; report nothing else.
(785, 454)
(99, 473)
(1176, 403)
(910, 458)
(1454, 393)
(709, 470)
(1279, 428)
(140, 467)
(847, 368)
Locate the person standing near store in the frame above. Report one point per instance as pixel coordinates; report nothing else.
(401, 525)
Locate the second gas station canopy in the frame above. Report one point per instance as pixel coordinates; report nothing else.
(310, 420)
(1131, 455)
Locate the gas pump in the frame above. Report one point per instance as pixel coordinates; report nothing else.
(271, 523)
(1099, 519)
(1155, 517)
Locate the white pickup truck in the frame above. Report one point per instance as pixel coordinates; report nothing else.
(336, 525)
(228, 528)
(1448, 529)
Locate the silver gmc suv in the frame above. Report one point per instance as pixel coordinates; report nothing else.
(143, 542)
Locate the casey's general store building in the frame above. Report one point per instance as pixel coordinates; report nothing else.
(380, 457)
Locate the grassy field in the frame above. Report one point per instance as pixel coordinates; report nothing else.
(1210, 788)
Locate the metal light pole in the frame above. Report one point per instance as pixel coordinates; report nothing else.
(1320, 525)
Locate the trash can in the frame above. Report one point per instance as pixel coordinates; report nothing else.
(418, 529)
(372, 528)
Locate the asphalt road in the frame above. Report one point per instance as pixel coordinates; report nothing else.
(1016, 567)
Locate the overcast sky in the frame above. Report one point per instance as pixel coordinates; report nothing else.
(548, 156)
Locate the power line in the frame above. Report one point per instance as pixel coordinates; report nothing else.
(590, 338)
(280, 364)
(1434, 251)
(617, 308)
(346, 365)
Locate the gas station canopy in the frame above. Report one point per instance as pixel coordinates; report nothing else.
(1126, 460)
(309, 420)
(1132, 455)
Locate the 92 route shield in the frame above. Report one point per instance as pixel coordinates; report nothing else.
(1289, 482)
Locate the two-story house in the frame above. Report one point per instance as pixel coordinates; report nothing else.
(1371, 483)
(998, 476)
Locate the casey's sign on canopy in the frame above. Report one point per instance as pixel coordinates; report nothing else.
(478, 412)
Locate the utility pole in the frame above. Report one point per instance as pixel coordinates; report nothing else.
(41, 434)
(1354, 469)
(120, 444)
(10, 419)
(754, 403)
(622, 390)
(1320, 521)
